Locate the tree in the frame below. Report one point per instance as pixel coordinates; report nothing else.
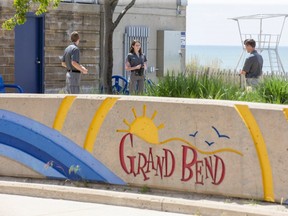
(22, 7)
(109, 27)
(42, 6)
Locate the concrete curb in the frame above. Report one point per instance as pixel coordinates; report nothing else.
(143, 201)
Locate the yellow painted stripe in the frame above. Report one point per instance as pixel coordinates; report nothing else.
(62, 112)
(200, 151)
(251, 124)
(97, 122)
(285, 110)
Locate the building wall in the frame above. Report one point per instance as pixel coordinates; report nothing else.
(59, 24)
(85, 18)
(156, 15)
(6, 44)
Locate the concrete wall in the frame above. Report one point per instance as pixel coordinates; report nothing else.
(215, 147)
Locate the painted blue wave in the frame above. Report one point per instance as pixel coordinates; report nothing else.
(48, 152)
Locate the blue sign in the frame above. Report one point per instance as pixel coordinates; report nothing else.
(183, 40)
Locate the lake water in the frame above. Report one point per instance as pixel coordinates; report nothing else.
(227, 57)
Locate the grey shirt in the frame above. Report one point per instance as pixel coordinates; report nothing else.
(135, 60)
(253, 65)
(71, 53)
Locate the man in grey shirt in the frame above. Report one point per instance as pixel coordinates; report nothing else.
(71, 61)
(253, 64)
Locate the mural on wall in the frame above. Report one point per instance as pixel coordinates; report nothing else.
(149, 163)
(209, 143)
(261, 149)
(46, 151)
(285, 110)
(144, 128)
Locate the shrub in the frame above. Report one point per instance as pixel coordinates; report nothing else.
(192, 86)
(274, 90)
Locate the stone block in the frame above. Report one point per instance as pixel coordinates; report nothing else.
(8, 52)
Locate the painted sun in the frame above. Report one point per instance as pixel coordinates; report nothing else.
(144, 127)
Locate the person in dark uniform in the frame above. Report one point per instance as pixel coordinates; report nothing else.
(253, 64)
(136, 62)
(71, 61)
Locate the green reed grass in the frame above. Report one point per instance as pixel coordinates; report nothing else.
(271, 90)
(274, 90)
(212, 82)
(192, 86)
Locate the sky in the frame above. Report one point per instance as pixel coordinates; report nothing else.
(208, 21)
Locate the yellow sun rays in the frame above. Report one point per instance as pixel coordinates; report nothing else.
(143, 127)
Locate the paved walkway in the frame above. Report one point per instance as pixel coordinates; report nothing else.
(15, 205)
(192, 204)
